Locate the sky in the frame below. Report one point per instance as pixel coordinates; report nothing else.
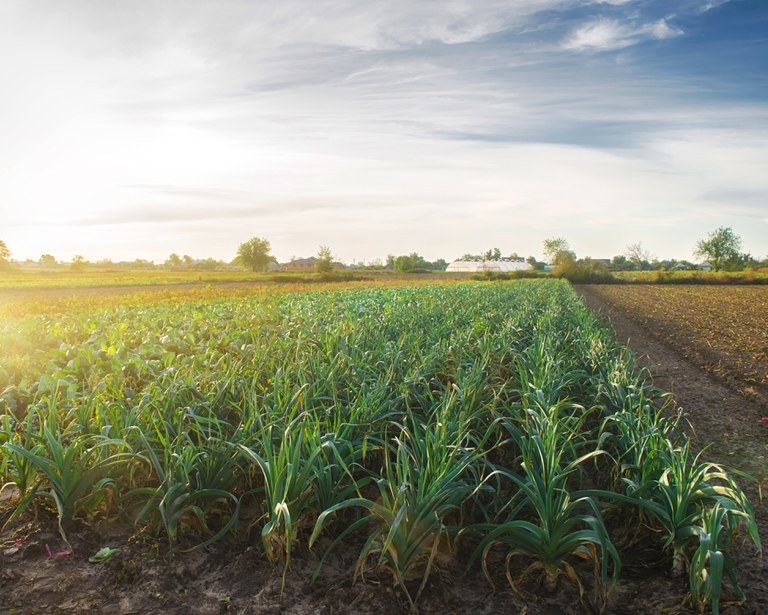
(137, 129)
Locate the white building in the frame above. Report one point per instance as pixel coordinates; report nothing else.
(493, 266)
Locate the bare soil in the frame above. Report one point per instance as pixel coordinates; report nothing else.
(233, 576)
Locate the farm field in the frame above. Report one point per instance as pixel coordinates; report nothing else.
(19, 279)
(463, 448)
(18, 301)
(722, 329)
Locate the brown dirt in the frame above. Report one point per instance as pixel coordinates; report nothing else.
(234, 577)
(723, 330)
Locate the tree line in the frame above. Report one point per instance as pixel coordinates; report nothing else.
(721, 249)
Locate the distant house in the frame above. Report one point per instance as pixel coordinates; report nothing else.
(679, 267)
(492, 266)
(705, 266)
(301, 264)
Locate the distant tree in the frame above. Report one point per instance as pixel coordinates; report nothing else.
(412, 261)
(187, 260)
(740, 262)
(493, 254)
(141, 263)
(620, 263)
(565, 263)
(558, 252)
(639, 255)
(173, 261)
(404, 264)
(747, 260)
(556, 249)
(78, 262)
(5, 252)
(538, 266)
(324, 260)
(720, 246)
(210, 263)
(47, 260)
(254, 253)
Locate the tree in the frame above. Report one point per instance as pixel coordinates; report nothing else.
(78, 262)
(639, 255)
(558, 252)
(492, 255)
(254, 253)
(5, 252)
(620, 263)
(720, 246)
(411, 262)
(47, 260)
(538, 266)
(324, 260)
(173, 261)
(403, 264)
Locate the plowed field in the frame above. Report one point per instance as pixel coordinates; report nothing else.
(722, 330)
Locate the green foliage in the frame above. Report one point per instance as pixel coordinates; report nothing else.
(409, 263)
(720, 246)
(429, 472)
(71, 473)
(254, 253)
(192, 478)
(324, 260)
(546, 522)
(557, 251)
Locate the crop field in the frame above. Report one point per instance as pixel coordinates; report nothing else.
(441, 448)
(17, 302)
(724, 330)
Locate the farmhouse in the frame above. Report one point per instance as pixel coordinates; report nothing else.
(301, 264)
(482, 266)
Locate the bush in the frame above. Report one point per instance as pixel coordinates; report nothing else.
(584, 274)
(493, 276)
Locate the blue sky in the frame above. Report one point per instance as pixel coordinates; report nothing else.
(137, 129)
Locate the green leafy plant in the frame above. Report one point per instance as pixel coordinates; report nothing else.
(546, 522)
(73, 473)
(429, 472)
(193, 478)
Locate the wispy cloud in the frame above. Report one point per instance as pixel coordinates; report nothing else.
(603, 34)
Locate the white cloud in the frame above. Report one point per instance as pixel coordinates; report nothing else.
(605, 34)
